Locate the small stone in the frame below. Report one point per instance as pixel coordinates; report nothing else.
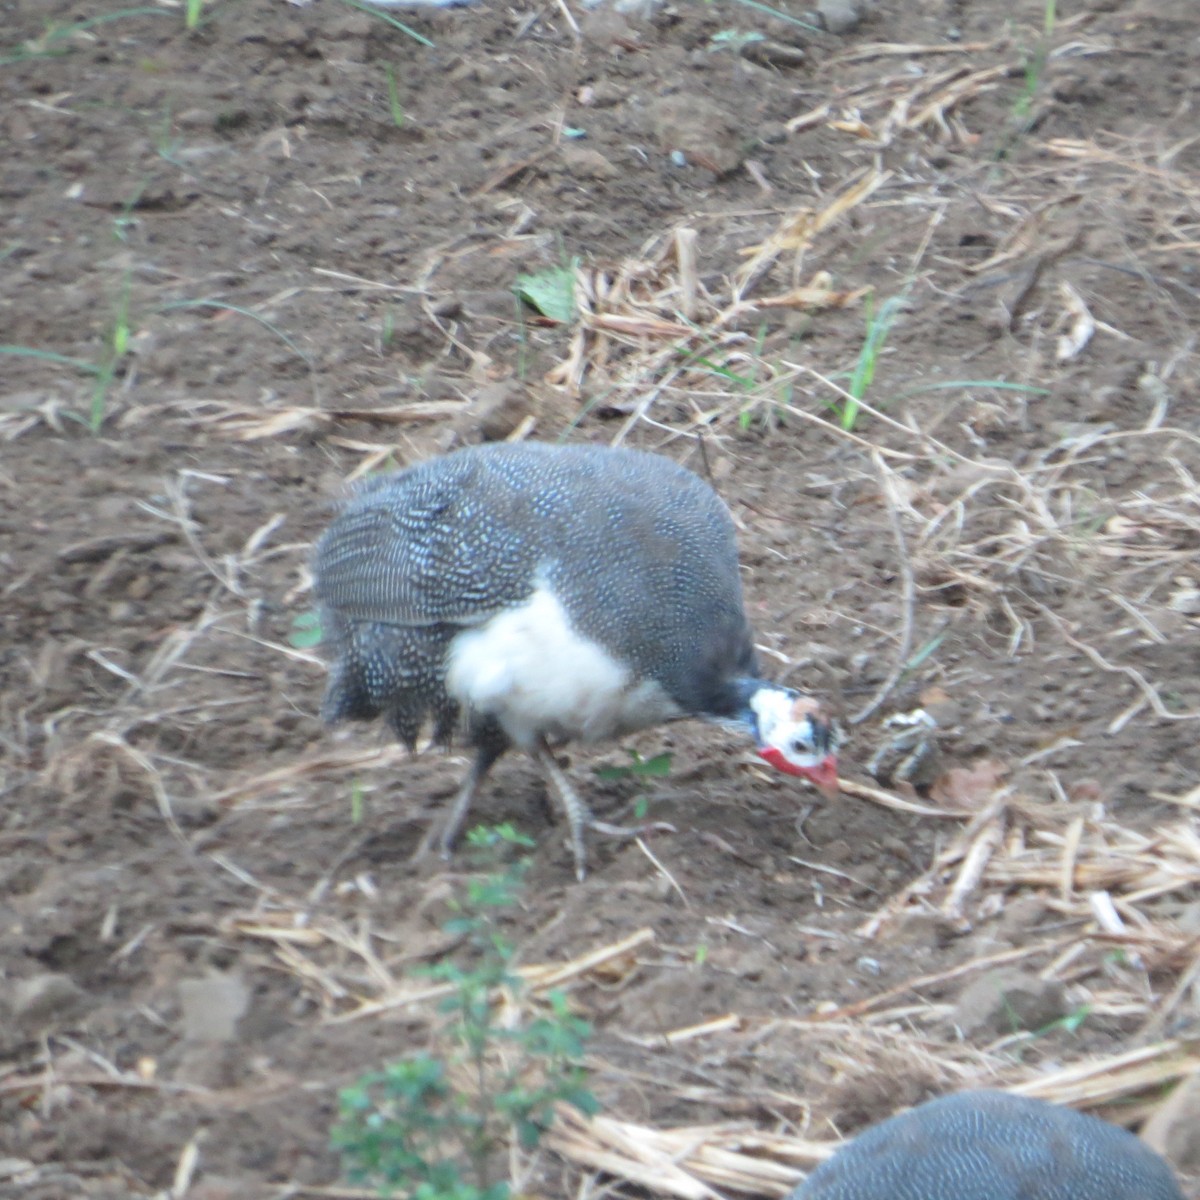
(448, 307)
(196, 118)
(1020, 915)
(495, 412)
(751, 965)
(767, 53)
(1008, 1001)
(1185, 598)
(585, 163)
(1189, 918)
(195, 812)
(496, 303)
(212, 1007)
(437, 905)
(352, 24)
(703, 131)
(607, 92)
(47, 1000)
(839, 16)
(211, 1065)
(604, 26)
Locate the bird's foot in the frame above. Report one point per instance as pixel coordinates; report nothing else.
(609, 830)
(632, 831)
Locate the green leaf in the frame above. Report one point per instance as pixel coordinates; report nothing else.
(306, 630)
(658, 767)
(583, 1100)
(1072, 1021)
(551, 292)
(608, 774)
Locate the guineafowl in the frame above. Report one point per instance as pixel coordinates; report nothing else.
(535, 594)
(992, 1146)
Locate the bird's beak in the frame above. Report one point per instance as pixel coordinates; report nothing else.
(823, 776)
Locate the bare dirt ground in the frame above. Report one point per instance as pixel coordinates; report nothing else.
(262, 281)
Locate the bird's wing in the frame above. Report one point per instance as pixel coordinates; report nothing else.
(417, 553)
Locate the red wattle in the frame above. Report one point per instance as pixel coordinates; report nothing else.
(823, 776)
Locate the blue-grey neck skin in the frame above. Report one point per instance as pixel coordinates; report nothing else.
(740, 691)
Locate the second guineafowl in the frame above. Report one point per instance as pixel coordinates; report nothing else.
(991, 1145)
(534, 594)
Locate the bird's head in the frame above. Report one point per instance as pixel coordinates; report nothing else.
(796, 737)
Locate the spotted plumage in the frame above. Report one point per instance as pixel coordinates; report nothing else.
(990, 1145)
(535, 594)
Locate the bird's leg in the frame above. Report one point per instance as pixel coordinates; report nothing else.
(578, 815)
(463, 801)
(486, 754)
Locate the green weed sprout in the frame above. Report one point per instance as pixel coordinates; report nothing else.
(394, 105)
(118, 347)
(432, 1126)
(1034, 69)
(879, 325)
(641, 769)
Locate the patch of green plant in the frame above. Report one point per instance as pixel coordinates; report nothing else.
(394, 105)
(999, 385)
(757, 6)
(879, 325)
(748, 381)
(117, 342)
(118, 347)
(390, 20)
(120, 330)
(225, 306)
(167, 145)
(1034, 68)
(387, 330)
(1071, 1022)
(46, 46)
(658, 767)
(306, 630)
(743, 381)
(1035, 63)
(62, 360)
(924, 653)
(550, 292)
(434, 1126)
(191, 14)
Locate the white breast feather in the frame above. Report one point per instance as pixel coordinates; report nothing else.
(529, 668)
